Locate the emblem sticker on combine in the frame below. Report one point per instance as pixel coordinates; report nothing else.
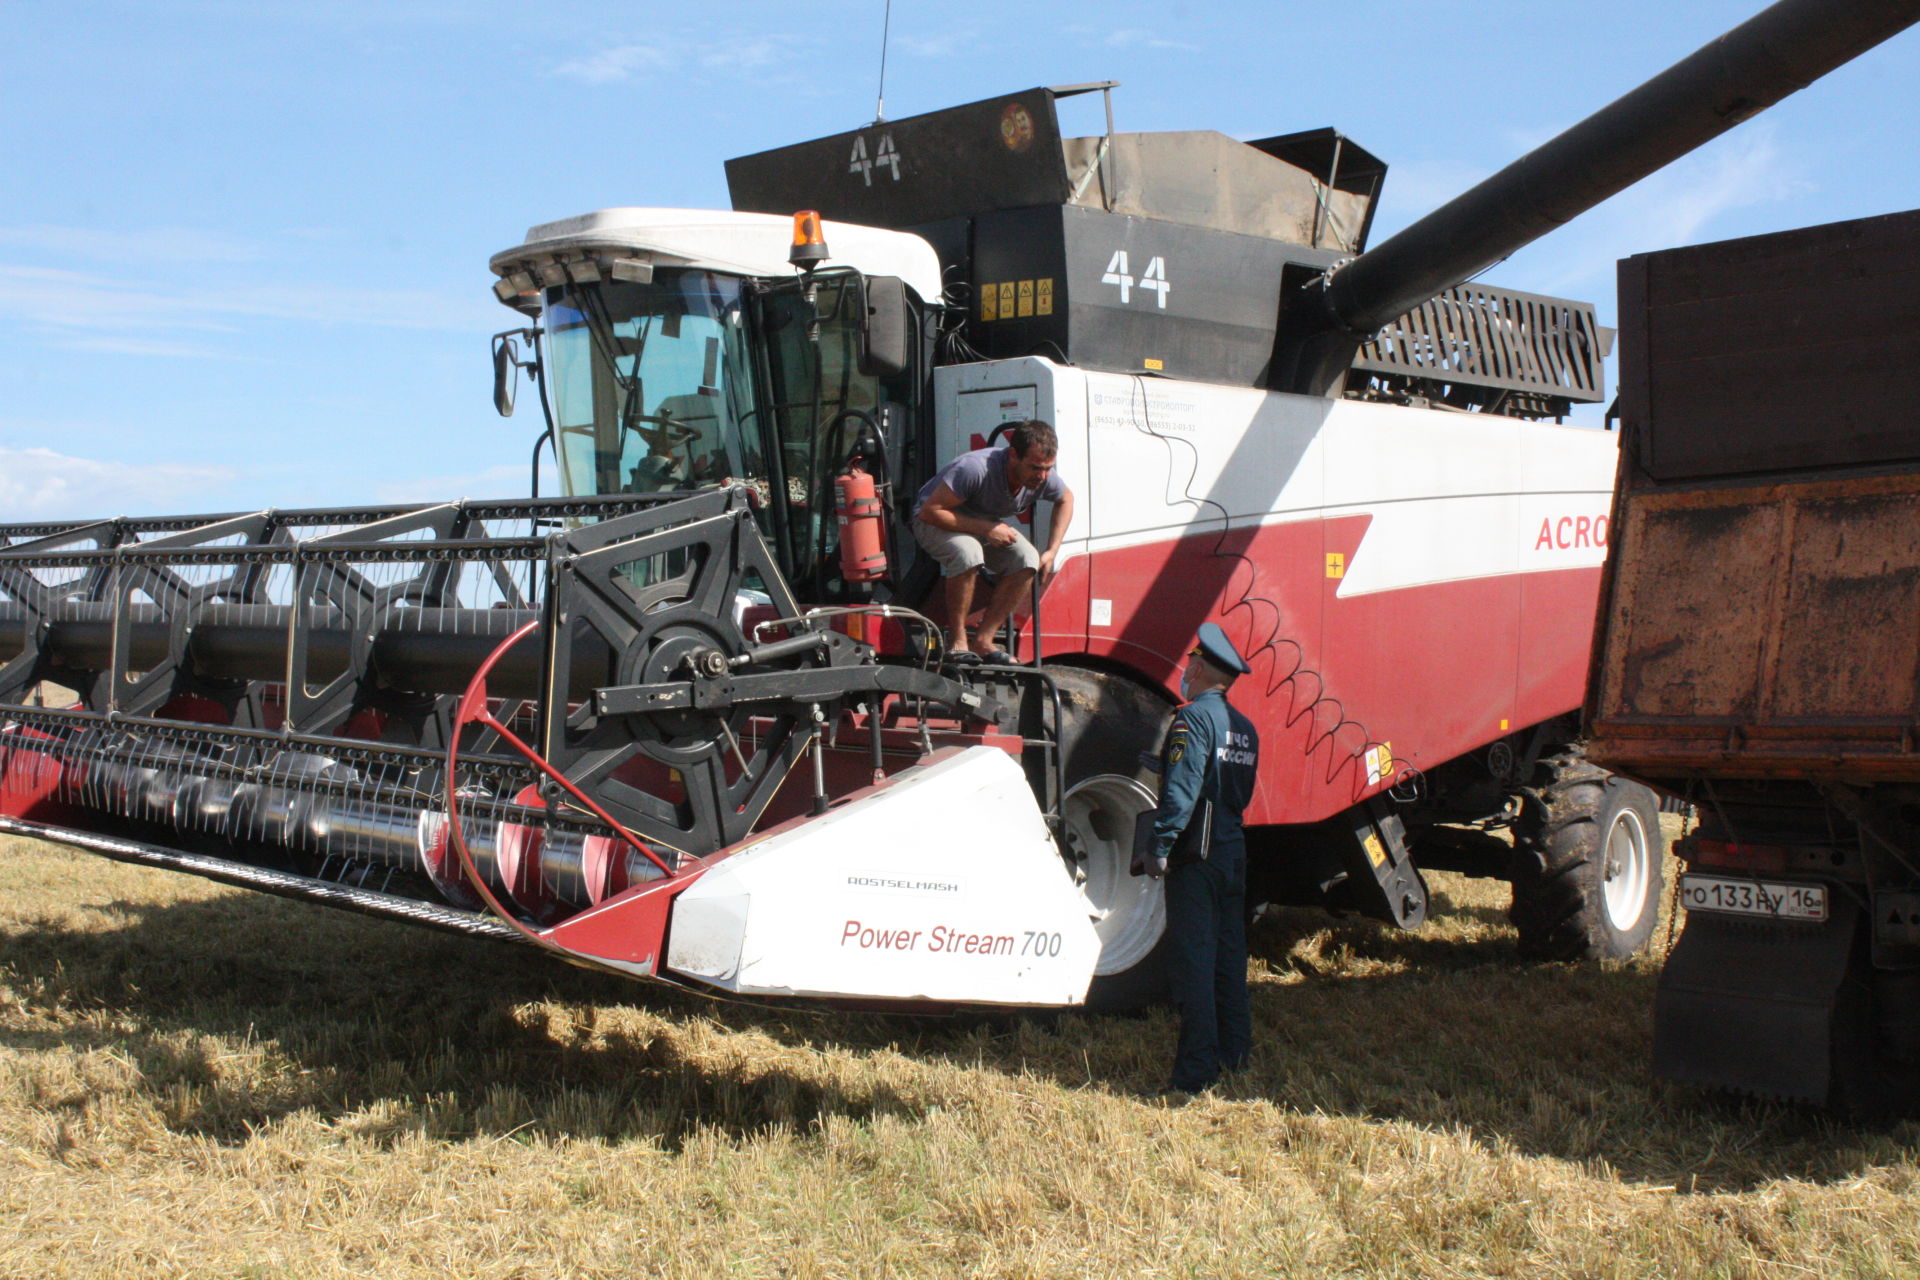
(911, 885)
(1016, 127)
(1379, 763)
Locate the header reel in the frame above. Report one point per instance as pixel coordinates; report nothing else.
(309, 695)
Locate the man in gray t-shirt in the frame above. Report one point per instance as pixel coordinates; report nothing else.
(961, 519)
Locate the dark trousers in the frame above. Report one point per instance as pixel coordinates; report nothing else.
(1207, 944)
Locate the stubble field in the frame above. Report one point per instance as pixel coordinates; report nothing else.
(197, 1081)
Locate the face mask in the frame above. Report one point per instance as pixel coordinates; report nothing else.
(1186, 684)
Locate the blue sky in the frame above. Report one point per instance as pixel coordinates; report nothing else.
(243, 245)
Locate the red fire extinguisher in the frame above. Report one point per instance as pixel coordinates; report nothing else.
(863, 553)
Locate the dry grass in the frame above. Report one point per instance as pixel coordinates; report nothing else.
(201, 1082)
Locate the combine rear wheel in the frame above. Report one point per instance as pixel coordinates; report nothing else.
(1107, 722)
(1587, 863)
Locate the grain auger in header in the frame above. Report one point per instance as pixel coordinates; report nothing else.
(595, 725)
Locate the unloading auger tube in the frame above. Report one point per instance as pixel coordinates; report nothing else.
(1781, 49)
(275, 700)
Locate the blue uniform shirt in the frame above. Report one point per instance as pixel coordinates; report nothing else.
(1211, 753)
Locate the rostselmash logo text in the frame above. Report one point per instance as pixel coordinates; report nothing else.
(901, 884)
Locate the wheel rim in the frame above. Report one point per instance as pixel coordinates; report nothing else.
(1629, 870)
(1129, 911)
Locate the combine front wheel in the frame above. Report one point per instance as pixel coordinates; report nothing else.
(1107, 722)
(1587, 853)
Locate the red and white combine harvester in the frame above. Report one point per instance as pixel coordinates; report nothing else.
(687, 720)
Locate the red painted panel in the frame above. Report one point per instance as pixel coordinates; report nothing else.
(1428, 671)
(1431, 671)
(29, 778)
(630, 929)
(1063, 612)
(1556, 636)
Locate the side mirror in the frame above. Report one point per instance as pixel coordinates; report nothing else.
(506, 373)
(886, 350)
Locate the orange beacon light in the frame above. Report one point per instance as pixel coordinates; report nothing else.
(809, 243)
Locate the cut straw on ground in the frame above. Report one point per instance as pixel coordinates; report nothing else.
(200, 1082)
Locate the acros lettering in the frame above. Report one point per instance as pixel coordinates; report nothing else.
(1567, 533)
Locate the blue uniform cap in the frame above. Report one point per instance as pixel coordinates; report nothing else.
(1217, 649)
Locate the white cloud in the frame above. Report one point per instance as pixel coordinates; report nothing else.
(347, 15)
(1416, 189)
(1673, 207)
(154, 244)
(1126, 38)
(716, 52)
(143, 317)
(748, 55)
(624, 62)
(1679, 205)
(39, 484)
(121, 346)
(617, 63)
(507, 480)
(942, 46)
(1141, 38)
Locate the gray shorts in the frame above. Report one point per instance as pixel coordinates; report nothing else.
(960, 553)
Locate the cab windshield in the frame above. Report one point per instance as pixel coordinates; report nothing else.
(698, 379)
(650, 384)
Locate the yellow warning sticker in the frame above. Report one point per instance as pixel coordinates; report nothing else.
(1026, 298)
(1006, 299)
(1151, 363)
(1379, 763)
(1376, 852)
(989, 302)
(1336, 564)
(1043, 297)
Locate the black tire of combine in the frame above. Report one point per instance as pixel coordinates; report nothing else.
(1107, 721)
(1561, 853)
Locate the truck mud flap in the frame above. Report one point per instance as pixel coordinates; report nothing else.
(1757, 1008)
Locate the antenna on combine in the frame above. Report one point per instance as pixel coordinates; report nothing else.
(880, 101)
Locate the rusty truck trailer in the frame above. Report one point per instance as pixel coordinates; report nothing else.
(1758, 648)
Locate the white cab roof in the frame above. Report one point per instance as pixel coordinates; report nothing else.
(752, 244)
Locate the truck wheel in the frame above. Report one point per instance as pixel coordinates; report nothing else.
(1106, 722)
(1587, 863)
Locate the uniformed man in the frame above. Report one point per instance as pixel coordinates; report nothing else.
(1206, 782)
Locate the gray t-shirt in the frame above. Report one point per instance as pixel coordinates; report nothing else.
(979, 479)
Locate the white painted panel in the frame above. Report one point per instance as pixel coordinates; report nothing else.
(1451, 495)
(945, 886)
